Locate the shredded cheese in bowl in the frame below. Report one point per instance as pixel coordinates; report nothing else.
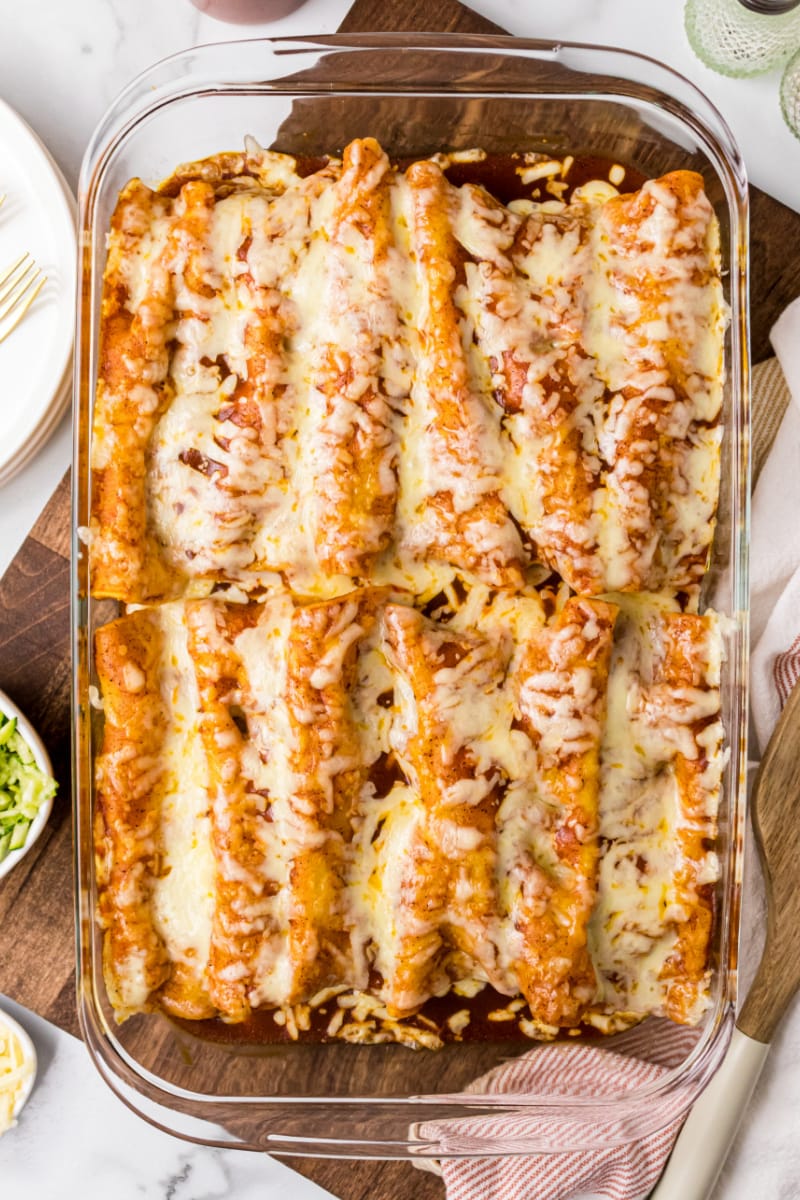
(17, 1070)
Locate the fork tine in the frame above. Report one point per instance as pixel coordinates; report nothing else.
(14, 293)
(14, 276)
(16, 282)
(9, 271)
(21, 304)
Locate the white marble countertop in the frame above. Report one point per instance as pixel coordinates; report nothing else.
(61, 64)
(76, 1139)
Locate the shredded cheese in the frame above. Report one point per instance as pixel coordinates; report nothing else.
(17, 1068)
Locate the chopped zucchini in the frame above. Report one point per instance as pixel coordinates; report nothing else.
(19, 834)
(23, 787)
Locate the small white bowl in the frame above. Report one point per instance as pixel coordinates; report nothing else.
(42, 760)
(29, 1055)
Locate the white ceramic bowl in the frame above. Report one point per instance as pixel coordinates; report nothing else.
(42, 759)
(28, 1051)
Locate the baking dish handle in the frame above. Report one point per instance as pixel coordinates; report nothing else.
(710, 1128)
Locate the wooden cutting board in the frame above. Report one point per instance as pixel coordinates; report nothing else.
(37, 959)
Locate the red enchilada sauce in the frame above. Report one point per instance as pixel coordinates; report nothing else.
(500, 174)
(490, 1020)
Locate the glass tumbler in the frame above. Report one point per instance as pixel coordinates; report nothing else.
(790, 94)
(743, 37)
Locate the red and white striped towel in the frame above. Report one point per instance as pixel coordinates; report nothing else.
(616, 1172)
(775, 550)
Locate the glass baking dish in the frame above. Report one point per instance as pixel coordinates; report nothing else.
(417, 95)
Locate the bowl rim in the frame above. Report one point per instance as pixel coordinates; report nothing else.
(42, 759)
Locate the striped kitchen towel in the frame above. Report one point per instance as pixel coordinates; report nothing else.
(614, 1172)
(775, 530)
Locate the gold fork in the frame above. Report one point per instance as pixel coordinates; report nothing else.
(20, 284)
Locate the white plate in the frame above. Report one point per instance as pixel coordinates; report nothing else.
(42, 760)
(38, 215)
(43, 432)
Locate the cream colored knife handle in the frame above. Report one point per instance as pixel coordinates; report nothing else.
(710, 1128)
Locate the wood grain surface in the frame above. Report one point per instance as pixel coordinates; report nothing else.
(36, 950)
(774, 803)
(37, 955)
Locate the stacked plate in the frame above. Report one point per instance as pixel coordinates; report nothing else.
(38, 215)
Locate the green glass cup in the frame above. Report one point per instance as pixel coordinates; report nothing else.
(743, 37)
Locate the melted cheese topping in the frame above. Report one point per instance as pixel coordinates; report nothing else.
(373, 375)
(642, 730)
(475, 705)
(644, 899)
(182, 895)
(309, 339)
